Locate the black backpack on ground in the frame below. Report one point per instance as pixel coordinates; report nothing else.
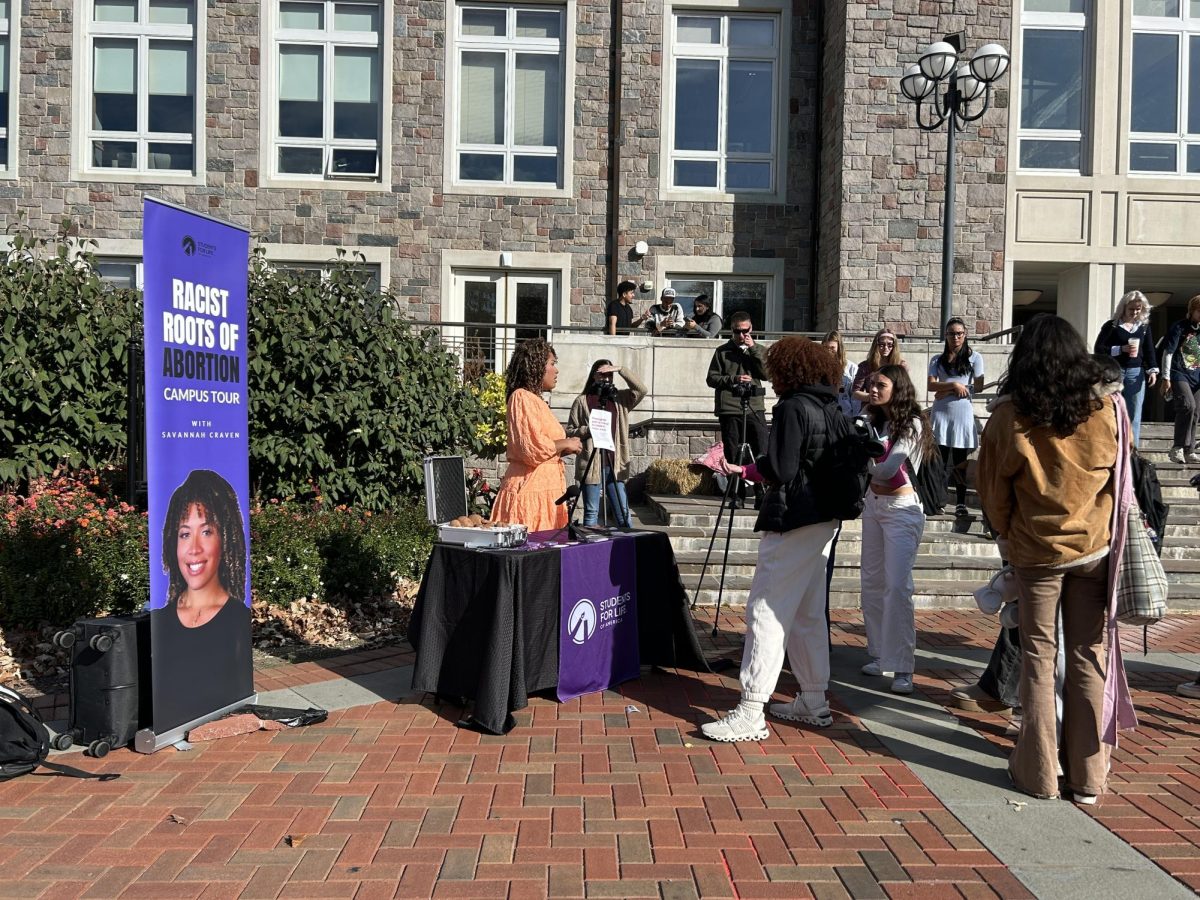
(839, 475)
(930, 483)
(1149, 498)
(24, 740)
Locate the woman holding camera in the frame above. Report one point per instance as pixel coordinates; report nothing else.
(609, 468)
(892, 524)
(786, 607)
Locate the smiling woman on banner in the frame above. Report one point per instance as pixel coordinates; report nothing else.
(536, 443)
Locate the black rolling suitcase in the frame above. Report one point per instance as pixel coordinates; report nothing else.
(110, 681)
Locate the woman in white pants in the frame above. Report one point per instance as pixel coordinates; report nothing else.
(892, 524)
(786, 607)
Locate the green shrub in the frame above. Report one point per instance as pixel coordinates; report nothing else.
(68, 551)
(366, 555)
(285, 562)
(492, 430)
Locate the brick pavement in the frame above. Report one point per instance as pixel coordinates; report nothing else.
(582, 799)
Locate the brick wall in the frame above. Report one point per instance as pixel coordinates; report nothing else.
(882, 209)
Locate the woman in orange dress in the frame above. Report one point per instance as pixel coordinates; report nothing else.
(536, 443)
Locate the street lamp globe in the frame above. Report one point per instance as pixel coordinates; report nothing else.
(968, 85)
(938, 60)
(914, 85)
(989, 63)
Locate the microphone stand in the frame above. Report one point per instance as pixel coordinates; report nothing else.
(572, 530)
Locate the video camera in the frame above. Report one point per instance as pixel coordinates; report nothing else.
(865, 432)
(744, 390)
(604, 390)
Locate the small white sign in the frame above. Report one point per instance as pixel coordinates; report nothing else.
(600, 426)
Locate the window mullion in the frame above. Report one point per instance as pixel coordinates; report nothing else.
(722, 119)
(510, 105)
(143, 101)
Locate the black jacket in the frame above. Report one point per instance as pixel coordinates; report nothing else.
(798, 439)
(1114, 336)
(728, 362)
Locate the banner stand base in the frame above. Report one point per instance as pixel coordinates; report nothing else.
(147, 741)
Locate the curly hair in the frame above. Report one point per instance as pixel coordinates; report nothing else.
(950, 362)
(216, 497)
(796, 361)
(901, 410)
(876, 360)
(527, 367)
(835, 336)
(1051, 376)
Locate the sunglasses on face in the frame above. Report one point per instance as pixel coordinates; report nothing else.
(741, 331)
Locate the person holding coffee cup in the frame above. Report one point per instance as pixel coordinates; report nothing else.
(1126, 337)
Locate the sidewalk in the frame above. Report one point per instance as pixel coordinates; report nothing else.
(617, 795)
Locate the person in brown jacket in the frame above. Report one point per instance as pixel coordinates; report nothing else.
(608, 466)
(1045, 482)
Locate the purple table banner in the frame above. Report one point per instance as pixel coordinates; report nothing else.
(598, 627)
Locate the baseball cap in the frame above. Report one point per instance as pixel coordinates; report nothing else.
(669, 292)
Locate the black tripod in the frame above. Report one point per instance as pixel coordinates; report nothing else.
(728, 499)
(575, 491)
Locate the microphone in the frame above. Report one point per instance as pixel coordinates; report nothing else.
(571, 494)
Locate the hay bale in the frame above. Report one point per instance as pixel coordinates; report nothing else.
(678, 476)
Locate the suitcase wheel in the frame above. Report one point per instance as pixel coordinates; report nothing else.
(62, 741)
(101, 643)
(65, 639)
(99, 749)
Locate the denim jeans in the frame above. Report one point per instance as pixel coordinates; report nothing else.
(1134, 391)
(618, 504)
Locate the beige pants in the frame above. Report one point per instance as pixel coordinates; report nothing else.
(1081, 593)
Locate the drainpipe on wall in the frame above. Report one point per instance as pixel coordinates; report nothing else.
(815, 260)
(614, 149)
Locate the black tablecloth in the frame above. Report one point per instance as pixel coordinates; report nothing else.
(485, 624)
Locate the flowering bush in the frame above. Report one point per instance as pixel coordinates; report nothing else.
(492, 432)
(69, 549)
(481, 494)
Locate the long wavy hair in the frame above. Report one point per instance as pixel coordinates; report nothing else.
(527, 366)
(836, 337)
(876, 360)
(951, 363)
(899, 415)
(1118, 315)
(215, 496)
(1051, 376)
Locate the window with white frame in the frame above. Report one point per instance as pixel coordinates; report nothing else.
(728, 294)
(144, 68)
(363, 272)
(1053, 84)
(510, 82)
(120, 271)
(8, 106)
(328, 69)
(725, 85)
(1164, 102)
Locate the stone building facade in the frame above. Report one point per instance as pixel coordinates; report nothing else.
(838, 221)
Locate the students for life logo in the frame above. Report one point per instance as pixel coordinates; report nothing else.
(581, 623)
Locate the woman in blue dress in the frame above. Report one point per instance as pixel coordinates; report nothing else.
(954, 378)
(1126, 338)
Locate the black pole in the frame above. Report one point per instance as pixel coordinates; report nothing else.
(952, 105)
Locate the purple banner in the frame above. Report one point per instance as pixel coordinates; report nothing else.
(598, 632)
(197, 463)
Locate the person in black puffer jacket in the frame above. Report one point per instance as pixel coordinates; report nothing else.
(786, 606)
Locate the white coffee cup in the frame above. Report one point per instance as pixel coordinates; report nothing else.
(1134, 344)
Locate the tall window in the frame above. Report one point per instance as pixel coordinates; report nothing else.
(143, 78)
(509, 116)
(1052, 84)
(7, 107)
(727, 295)
(1164, 108)
(329, 80)
(725, 73)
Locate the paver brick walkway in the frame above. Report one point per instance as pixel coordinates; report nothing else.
(590, 798)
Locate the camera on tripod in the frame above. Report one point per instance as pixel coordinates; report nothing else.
(871, 442)
(744, 390)
(604, 390)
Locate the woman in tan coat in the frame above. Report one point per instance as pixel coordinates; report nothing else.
(609, 467)
(1046, 463)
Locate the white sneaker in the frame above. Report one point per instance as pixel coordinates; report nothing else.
(1193, 456)
(872, 669)
(736, 725)
(1086, 799)
(799, 711)
(902, 683)
(1176, 455)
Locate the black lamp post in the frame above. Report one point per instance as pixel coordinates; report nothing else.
(951, 88)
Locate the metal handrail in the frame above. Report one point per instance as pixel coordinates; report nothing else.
(1015, 331)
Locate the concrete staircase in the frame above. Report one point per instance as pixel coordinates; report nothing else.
(954, 558)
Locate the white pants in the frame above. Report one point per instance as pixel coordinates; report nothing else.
(891, 531)
(786, 608)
